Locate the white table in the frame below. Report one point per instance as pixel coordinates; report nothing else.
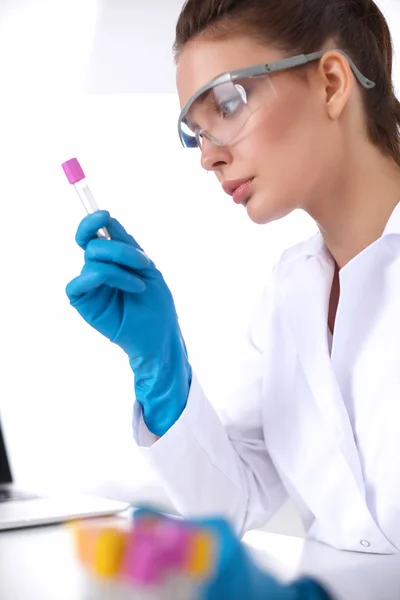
(348, 575)
(40, 564)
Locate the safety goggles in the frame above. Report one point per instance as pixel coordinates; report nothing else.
(224, 105)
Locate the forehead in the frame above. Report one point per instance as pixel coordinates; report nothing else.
(202, 60)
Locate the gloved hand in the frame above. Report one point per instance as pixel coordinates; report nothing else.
(237, 577)
(235, 574)
(121, 294)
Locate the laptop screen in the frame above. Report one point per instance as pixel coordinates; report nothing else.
(5, 472)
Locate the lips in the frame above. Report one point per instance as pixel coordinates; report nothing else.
(230, 187)
(240, 189)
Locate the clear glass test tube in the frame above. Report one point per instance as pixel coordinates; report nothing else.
(77, 178)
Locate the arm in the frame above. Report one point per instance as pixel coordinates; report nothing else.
(217, 462)
(209, 463)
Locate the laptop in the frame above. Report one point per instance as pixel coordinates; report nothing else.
(20, 508)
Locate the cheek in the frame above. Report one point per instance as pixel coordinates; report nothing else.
(288, 140)
(288, 150)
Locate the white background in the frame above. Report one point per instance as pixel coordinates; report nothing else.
(66, 393)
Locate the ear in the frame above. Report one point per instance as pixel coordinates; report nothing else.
(337, 80)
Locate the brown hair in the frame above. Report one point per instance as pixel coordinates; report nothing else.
(302, 26)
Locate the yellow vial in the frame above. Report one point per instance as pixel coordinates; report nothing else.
(201, 556)
(110, 549)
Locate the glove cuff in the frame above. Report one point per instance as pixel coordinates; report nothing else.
(162, 385)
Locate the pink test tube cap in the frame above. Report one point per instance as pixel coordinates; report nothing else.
(174, 541)
(142, 565)
(73, 170)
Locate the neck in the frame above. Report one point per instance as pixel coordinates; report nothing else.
(355, 214)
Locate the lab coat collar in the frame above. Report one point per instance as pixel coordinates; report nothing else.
(393, 225)
(317, 247)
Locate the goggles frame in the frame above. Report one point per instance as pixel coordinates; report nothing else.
(258, 71)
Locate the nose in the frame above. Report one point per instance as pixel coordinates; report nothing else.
(213, 157)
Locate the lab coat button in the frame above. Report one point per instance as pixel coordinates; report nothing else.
(365, 543)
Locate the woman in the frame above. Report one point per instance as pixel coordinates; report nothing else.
(318, 419)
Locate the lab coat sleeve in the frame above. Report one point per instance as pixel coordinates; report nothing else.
(218, 464)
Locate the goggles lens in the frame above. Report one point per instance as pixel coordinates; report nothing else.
(220, 113)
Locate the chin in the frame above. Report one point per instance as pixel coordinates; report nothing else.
(261, 211)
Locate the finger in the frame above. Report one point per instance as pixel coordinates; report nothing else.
(89, 227)
(95, 275)
(111, 251)
(119, 233)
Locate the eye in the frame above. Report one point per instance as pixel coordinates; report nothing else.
(229, 107)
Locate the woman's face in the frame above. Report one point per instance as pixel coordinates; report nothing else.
(288, 147)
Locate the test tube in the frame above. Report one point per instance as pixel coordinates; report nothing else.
(77, 178)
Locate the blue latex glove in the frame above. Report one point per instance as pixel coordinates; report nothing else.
(121, 294)
(237, 577)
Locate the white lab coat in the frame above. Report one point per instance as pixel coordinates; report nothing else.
(322, 428)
